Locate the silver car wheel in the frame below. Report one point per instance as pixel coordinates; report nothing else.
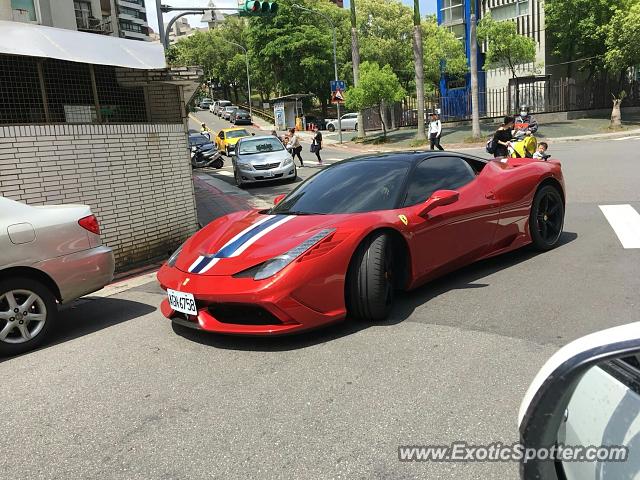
(23, 315)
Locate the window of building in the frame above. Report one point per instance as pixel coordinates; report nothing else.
(132, 12)
(29, 7)
(513, 10)
(131, 27)
(459, 31)
(452, 11)
(83, 13)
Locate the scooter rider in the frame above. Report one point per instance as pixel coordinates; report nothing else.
(525, 124)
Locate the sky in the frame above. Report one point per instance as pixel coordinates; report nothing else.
(426, 6)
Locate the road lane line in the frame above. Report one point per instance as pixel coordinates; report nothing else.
(625, 221)
(625, 138)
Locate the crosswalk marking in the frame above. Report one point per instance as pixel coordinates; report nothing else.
(625, 221)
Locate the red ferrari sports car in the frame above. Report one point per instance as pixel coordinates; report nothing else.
(345, 239)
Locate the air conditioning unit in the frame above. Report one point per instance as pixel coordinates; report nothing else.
(21, 15)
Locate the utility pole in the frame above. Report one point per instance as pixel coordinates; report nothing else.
(335, 58)
(160, 21)
(418, 59)
(246, 57)
(473, 52)
(355, 60)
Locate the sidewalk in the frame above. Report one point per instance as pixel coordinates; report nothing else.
(458, 137)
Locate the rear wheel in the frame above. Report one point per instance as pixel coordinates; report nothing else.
(331, 128)
(28, 313)
(237, 178)
(547, 218)
(355, 127)
(219, 163)
(370, 280)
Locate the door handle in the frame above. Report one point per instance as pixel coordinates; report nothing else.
(490, 195)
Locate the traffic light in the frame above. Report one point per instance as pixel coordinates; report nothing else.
(255, 8)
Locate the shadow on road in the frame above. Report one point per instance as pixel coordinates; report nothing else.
(91, 314)
(405, 305)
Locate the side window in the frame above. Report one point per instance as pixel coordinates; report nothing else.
(439, 173)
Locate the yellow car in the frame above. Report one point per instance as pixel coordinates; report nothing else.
(227, 138)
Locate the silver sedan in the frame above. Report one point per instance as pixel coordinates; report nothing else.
(257, 159)
(49, 254)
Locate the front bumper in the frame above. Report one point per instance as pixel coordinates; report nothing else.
(249, 176)
(80, 273)
(280, 305)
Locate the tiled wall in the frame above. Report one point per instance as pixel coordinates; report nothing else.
(136, 178)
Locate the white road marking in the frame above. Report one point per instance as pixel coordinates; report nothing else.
(224, 173)
(625, 221)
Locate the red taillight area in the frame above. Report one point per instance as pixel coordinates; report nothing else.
(324, 247)
(90, 223)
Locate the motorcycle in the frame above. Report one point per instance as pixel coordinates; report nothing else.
(206, 157)
(523, 147)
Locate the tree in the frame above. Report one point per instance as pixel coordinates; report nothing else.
(506, 49)
(473, 53)
(577, 31)
(376, 86)
(623, 51)
(418, 59)
(355, 61)
(443, 52)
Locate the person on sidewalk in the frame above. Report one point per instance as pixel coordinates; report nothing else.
(294, 146)
(316, 144)
(502, 138)
(435, 131)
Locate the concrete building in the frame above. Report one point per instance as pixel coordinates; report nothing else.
(181, 29)
(99, 121)
(213, 18)
(118, 18)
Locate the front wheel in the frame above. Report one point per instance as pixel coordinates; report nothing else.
(355, 127)
(237, 178)
(331, 128)
(28, 313)
(226, 151)
(370, 285)
(546, 218)
(219, 163)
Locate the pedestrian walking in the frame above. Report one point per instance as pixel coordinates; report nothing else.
(316, 144)
(435, 132)
(502, 138)
(294, 146)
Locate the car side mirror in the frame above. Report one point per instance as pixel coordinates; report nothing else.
(584, 395)
(279, 198)
(253, 134)
(439, 198)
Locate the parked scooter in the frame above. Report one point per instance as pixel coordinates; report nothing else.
(206, 157)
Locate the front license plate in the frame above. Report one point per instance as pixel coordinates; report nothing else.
(182, 302)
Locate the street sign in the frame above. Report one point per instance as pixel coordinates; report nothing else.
(337, 91)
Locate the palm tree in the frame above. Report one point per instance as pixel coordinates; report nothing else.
(475, 112)
(419, 65)
(355, 60)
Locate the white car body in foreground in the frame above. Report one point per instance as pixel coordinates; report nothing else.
(50, 254)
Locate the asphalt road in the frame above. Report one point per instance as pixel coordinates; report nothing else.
(120, 394)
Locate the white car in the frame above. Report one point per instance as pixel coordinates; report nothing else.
(259, 159)
(348, 121)
(587, 396)
(50, 254)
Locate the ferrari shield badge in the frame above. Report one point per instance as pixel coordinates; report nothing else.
(403, 219)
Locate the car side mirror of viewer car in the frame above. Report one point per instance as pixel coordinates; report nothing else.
(439, 198)
(586, 396)
(279, 198)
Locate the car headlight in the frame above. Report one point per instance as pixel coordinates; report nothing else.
(244, 166)
(174, 256)
(287, 161)
(275, 265)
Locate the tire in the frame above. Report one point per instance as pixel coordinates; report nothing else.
(546, 218)
(331, 128)
(226, 151)
(370, 287)
(21, 291)
(219, 163)
(236, 177)
(355, 127)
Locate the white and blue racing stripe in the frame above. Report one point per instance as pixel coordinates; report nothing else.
(240, 242)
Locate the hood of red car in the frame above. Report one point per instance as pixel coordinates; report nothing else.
(243, 240)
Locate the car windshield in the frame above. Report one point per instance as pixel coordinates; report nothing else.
(356, 186)
(260, 145)
(237, 133)
(230, 109)
(199, 139)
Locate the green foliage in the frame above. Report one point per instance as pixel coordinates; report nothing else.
(443, 52)
(623, 39)
(578, 29)
(377, 85)
(505, 47)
